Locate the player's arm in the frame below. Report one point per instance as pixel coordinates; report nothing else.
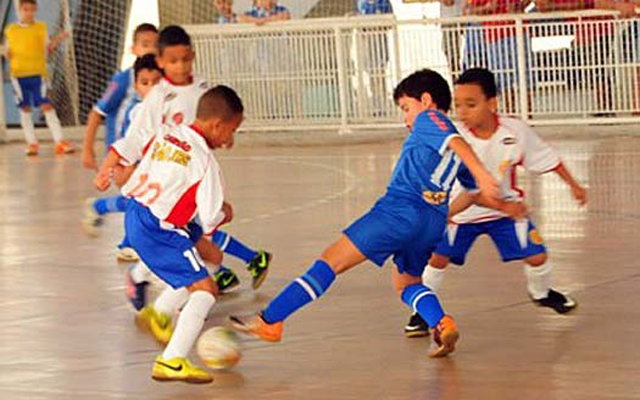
(486, 183)
(110, 102)
(88, 145)
(210, 200)
(579, 193)
(471, 195)
(541, 158)
(102, 180)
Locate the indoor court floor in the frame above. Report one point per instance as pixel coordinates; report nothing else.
(67, 332)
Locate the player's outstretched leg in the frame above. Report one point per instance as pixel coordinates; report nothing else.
(226, 279)
(158, 318)
(173, 364)
(424, 301)
(538, 272)
(432, 278)
(267, 326)
(137, 280)
(95, 209)
(257, 261)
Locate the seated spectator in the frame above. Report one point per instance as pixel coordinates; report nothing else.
(495, 47)
(264, 11)
(225, 11)
(370, 7)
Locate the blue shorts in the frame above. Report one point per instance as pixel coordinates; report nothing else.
(515, 240)
(407, 230)
(30, 91)
(169, 253)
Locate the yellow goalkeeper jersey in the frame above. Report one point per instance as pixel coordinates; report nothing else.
(28, 48)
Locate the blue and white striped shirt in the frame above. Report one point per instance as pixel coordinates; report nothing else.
(369, 7)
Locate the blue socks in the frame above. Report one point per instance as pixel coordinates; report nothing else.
(423, 301)
(301, 291)
(110, 205)
(228, 244)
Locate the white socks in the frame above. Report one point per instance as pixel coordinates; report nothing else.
(140, 273)
(26, 120)
(189, 325)
(432, 278)
(538, 280)
(54, 125)
(170, 300)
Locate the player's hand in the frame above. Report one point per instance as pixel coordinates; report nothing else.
(89, 159)
(580, 194)
(228, 212)
(102, 181)
(516, 210)
(489, 187)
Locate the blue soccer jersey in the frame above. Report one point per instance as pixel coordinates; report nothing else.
(409, 221)
(427, 168)
(129, 114)
(113, 103)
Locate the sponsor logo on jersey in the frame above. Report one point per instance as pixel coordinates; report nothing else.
(535, 237)
(167, 152)
(170, 96)
(435, 198)
(177, 142)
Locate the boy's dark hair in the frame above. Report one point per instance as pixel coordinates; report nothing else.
(145, 62)
(173, 35)
(21, 2)
(144, 28)
(425, 81)
(481, 77)
(220, 101)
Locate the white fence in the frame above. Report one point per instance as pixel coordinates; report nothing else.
(568, 68)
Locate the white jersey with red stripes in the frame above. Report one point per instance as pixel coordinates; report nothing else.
(179, 179)
(513, 144)
(167, 105)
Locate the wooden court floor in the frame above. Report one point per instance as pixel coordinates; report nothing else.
(66, 331)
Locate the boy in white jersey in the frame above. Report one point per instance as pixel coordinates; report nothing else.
(172, 102)
(177, 181)
(502, 144)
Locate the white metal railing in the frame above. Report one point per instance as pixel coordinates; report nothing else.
(553, 68)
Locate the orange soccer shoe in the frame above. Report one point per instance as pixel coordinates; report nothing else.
(256, 326)
(32, 149)
(445, 335)
(64, 147)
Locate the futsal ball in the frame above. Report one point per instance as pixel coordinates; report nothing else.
(219, 348)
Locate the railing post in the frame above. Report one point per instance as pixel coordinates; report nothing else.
(522, 71)
(342, 82)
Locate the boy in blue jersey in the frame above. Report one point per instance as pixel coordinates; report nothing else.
(113, 102)
(504, 145)
(406, 223)
(113, 106)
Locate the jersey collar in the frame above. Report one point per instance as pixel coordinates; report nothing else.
(166, 78)
(497, 119)
(199, 131)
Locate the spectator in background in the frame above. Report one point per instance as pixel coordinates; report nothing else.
(594, 38)
(451, 34)
(495, 47)
(369, 7)
(374, 57)
(225, 11)
(264, 11)
(273, 61)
